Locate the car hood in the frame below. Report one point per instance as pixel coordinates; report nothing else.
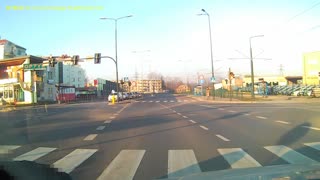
(277, 172)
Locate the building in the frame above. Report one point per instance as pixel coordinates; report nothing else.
(279, 80)
(67, 74)
(147, 86)
(10, 50)
(311, 68)
(182, 89)
(25, 79)
(104, 87)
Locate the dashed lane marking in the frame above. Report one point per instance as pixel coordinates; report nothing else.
(205, 128)
(261, 117)
(283, 122)
(310, 127)
(221, 137)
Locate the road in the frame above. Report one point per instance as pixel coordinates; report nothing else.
(160, 136)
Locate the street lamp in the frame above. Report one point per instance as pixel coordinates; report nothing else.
(116, 44)
(212, 69)
(251, 60)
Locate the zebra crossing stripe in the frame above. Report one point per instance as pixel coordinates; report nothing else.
(314, 145)
(289, 155)
(237, 158)
(34, 154)
(6, 149)
(90, 137)
(182, 163)
(165, 101)
(124, 166)
(171, 101)
(73, 160)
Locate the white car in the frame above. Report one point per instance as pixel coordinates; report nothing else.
(115, 97)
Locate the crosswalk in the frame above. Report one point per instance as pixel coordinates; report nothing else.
(165, 101)
(181, 162)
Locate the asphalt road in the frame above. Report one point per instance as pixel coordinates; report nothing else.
(160, 136)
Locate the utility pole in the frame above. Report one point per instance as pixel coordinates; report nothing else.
(230, 83)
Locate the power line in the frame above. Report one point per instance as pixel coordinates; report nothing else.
(303, 12)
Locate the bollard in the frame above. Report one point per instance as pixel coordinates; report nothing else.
(113, 99)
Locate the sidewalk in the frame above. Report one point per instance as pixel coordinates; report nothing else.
(259, 99)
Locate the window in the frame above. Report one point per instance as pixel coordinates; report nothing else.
(50, 75)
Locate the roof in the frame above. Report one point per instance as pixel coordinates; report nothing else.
(20, 60)
(4, 41)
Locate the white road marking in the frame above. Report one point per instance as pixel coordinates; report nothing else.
(283, 122)
(182, 163)
(232, 111)
(150, 101)
(179, 113)
(73, 160)
(90, 137)
(6, 149)
(115, 114)
(221, 137)
(174, 111)
(34, 154)
(192, 121)
(205, 128)
(100, 128)
(314, 145)
(289, 155)
(206, 106)
(107, 122)
(313, 128)
(186, 100)
(261, 117)
(220, 108)
(246, 114)
(171, 101)
(157, 101)
(237, 158)
(143, 101)
(179, 101)
(124, 166)
(185, 117)
(112, 117)
(165, 101)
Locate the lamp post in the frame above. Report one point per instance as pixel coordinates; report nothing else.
(251, 61)
(116, 44)
(212, 69)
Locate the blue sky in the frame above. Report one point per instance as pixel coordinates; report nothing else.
(177, 38)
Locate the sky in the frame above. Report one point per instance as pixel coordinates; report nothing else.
(167, 36)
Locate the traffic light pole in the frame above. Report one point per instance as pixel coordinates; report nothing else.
(117, 77)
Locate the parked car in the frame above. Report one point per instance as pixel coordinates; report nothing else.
(125, 95)
(116, 96)
(112, 94)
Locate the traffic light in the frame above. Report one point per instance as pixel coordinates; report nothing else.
(52, 62)
(319, 74)
(97, 58)
(121, 82)
(75, 59)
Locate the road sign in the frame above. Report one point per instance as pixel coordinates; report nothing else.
(201, 81)
(34, 67)
(126, 79)
(213, 79)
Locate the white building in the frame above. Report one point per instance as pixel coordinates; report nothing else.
(10, 50)
(68, 74)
